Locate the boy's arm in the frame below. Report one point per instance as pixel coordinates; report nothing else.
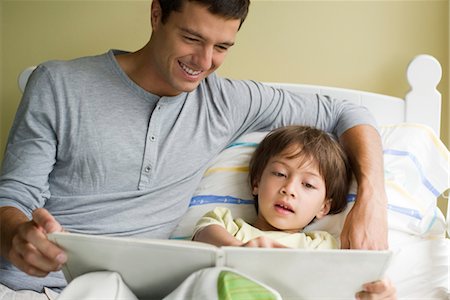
(366, 225)
(216, 235)
(219, 236)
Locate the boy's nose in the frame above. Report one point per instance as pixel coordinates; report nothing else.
(286, 190)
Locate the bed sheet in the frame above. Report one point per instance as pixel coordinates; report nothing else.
(420, 267)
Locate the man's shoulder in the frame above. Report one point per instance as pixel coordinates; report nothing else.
(76, 71)
(60, 65)
(216, 82)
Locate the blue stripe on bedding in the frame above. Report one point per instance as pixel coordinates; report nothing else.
(417, 164)
(214, 199)
(210, 199)
(403, 210)
(242, 144)
(433, 220)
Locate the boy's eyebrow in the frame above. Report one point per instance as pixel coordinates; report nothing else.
(317, 174)
(201, 37)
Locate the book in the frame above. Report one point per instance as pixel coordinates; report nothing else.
(153, 268)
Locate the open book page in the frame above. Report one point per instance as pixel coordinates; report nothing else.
(310, 274)
(154, 268)
(150, 268)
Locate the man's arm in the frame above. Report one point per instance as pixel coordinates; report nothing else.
(25, 244)
(366, 224)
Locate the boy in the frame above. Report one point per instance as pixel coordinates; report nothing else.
(297, 174)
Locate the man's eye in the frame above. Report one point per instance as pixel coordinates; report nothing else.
(191, 39)
(221, 48)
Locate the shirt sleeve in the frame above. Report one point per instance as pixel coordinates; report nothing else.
(30, 153)
(219, 216)
(321, 240)
(254, 106)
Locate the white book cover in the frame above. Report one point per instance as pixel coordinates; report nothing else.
(153, 268)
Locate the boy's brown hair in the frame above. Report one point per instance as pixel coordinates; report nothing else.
(311, 144)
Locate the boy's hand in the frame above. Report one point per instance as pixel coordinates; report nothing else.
(263, 242)
(382, 290)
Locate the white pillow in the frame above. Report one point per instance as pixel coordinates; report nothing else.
(416, 172)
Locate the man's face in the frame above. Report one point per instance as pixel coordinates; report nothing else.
(189, 46)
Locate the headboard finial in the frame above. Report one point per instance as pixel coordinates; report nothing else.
(424, 71)
(23, 77)
(423, 102)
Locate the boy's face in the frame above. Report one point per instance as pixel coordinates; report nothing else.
(291, 193)
(189, 46)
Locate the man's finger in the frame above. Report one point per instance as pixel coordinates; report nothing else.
(45, 220)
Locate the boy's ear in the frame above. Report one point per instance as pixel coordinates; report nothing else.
(255, 189)
(325, 209)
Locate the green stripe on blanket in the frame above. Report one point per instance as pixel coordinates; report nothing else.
(232, 286)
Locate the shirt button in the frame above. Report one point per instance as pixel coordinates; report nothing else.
(147, 169)
(153, 138)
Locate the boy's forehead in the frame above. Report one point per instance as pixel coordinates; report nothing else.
(294, 154)
(292, 150)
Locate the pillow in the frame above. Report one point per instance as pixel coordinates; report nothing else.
(416, 172)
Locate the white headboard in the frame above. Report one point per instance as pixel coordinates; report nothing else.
(421, 105)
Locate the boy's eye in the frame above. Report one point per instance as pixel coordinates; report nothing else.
(308, 185)
(278, 174)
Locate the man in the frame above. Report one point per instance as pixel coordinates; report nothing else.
(115, 144)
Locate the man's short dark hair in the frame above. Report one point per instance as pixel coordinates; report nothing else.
(229, 9)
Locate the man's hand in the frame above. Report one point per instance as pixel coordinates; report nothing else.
(366, 225)
(29, 248)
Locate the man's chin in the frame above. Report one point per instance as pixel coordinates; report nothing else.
(191, 86)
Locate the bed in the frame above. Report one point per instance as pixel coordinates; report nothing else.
(416, 174)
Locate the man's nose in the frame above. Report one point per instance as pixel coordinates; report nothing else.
(204, 58)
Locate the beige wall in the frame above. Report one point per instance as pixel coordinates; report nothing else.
(356, 44)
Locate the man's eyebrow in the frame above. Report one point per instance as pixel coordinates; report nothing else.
(198, 35)
(191, 32)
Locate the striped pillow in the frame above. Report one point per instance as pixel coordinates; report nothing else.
(416, 172)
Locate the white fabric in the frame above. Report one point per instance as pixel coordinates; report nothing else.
(97, 285)
(420, 267)
(202, 285)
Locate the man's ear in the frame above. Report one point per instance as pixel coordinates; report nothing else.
(155, 14)
(325, 209)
